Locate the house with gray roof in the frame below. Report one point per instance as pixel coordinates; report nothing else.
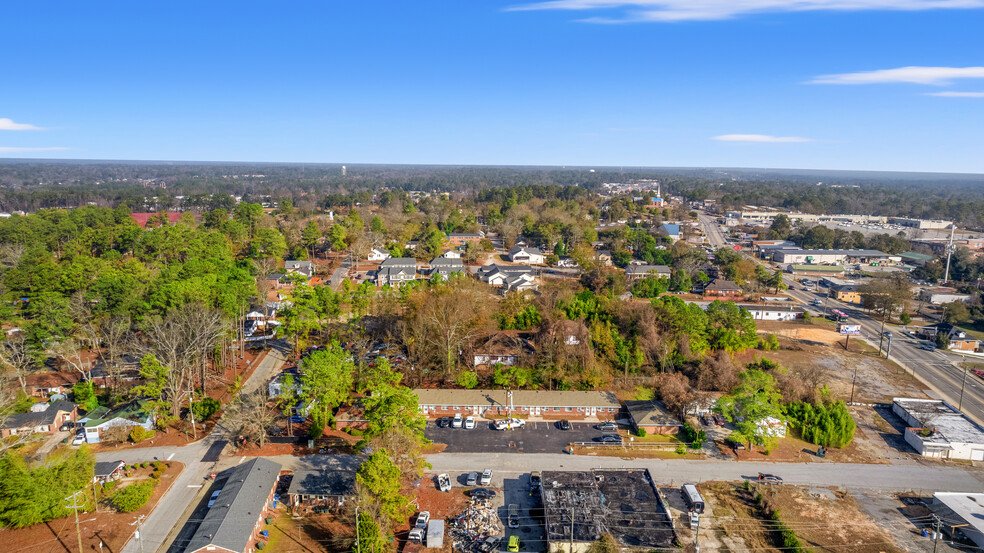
(396, 270)
(45, 421)
(635, 272)
(445, 266)
(327, 482)
(233, 522)
(305, 268)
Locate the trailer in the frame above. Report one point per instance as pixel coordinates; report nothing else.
(435, 534)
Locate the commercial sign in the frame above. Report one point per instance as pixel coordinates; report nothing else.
(849, 330)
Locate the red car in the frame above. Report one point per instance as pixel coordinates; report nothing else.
(718, 419)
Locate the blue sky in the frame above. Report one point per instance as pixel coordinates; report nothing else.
(831, 84)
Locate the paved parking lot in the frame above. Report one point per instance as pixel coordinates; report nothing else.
(516, 490)
(536, 437)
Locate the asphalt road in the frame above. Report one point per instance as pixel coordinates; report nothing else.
(536, 437)
(674, 472)
(200, 459)
(936, 369)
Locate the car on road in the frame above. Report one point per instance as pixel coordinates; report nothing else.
(469, 423)
(444, 482)
(457, 421)
(928, 347)
(766, 478)
(213, 498)
(817, 303)
(482, 493)
(610, 439)
(472, 479)
(607, 426)
(486, 477)
(564, 424)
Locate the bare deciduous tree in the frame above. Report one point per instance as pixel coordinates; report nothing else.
(15, 357)
(249, 416)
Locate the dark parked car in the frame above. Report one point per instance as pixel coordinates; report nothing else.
(767, 478)
(482, 493)
(67, 425)
(443, 422)
(564, 424)
(610, 439)
(734, 445)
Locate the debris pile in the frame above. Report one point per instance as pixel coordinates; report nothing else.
(477, 529)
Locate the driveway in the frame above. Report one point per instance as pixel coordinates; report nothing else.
(536, 437)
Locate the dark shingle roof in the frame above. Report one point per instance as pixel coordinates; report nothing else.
(229, 523)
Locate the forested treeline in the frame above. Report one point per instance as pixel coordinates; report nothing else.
(33, 185)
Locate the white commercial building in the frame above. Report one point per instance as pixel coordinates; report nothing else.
(963, 512)
(935, 429)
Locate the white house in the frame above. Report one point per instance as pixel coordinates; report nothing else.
(521, 254)
(773, 312)
(305, 268)
(451, 254)
(377, 254)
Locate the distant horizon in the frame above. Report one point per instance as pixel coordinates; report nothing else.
(601, 168)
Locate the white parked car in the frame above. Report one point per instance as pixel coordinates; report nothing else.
(517, 423)
(456, 421)
(469, 423)
(486, 477)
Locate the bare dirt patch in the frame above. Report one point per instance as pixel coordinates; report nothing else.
(823, 519)
(111, 528)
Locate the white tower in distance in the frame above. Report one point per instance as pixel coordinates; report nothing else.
(343, 170)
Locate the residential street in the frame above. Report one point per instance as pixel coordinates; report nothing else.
(199, 464)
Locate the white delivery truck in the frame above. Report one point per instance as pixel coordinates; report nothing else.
(435, 534)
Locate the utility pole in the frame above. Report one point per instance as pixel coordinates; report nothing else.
(696, 534)
(853, 380)
(936, 532)
(137, 533)
(572, 529)
(75, 507)
(963, 383)
(888, 347)
(358, 543)
(949, 254)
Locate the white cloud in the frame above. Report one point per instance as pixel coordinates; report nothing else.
(911, 74)
(10, 125)
(7, 149)
(955, 94)
(760, 138)
(630, 11)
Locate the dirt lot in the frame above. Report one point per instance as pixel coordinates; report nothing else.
(735, 521)
(809, 346)
(111, 528)
(310, 534)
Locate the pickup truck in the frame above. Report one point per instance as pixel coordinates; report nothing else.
(417, 532)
